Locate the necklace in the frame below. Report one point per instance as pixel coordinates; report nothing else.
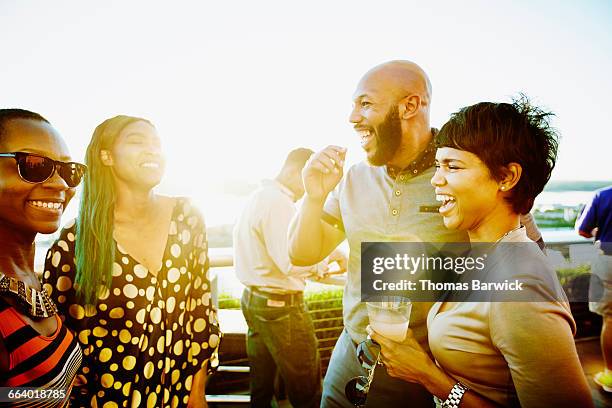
(486, 247)
(508, 233)
(33, 302)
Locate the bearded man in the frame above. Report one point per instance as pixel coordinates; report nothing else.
(386, 198)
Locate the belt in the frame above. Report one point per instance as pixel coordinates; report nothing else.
(289, 299)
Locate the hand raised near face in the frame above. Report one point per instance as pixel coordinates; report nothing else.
(323, 172)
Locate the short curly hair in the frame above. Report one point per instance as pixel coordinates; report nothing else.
(503, 133)
(7, 115)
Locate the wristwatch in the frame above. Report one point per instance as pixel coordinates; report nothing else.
(454, 398)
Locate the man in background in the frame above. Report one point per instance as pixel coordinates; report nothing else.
(596, 221)
(281, 333)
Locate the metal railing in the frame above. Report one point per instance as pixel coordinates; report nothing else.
(326, 335)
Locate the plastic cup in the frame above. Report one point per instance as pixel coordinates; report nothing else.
(390, 317)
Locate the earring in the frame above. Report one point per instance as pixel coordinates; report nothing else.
(503, 188)
(105, 156)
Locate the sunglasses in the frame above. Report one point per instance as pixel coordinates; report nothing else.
(356, 390)
(34, 168)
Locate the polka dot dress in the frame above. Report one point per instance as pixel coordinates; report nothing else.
(147, 336)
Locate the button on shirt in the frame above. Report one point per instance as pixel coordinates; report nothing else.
(261, 256)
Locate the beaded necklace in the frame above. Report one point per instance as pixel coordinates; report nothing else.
(35, 303)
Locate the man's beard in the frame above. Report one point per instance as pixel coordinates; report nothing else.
(388, 138)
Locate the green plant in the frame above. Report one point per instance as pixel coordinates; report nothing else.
(324, 299)
(227, 301)
(565, 275)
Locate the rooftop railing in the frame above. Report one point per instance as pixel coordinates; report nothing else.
(562, 253)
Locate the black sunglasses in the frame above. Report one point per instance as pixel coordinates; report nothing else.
(356, 390)
(35, 168)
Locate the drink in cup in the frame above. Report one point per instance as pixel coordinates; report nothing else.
(390, 316)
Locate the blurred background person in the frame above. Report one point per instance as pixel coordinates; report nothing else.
(281, 335)
(130, 276)
(596, 221)
(493, 159)
(37, 181)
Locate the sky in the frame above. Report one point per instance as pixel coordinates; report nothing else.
(233, 86)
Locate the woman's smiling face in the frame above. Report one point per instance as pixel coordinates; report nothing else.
(137, 155)
(32, 207)
(464, 185)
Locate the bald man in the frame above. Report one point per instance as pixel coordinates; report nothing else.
(387, 198)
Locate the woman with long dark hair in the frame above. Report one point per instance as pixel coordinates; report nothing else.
(37, 181)
(512, 348)
(131, 278)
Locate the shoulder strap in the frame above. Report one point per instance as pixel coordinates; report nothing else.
(3, 304)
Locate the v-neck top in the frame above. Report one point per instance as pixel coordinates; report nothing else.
(35, 360)
(148, 335)
(513, 353)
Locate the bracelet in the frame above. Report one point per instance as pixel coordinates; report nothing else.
(455, 395)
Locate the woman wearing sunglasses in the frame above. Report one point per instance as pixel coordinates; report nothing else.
(493, 159)
(131, 278)
(37, 181)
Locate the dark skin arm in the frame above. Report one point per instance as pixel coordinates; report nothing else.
(409, 362)
(197, 397)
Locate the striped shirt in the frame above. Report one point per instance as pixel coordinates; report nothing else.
(43, 362)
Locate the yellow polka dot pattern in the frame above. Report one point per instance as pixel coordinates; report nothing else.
(148, 335)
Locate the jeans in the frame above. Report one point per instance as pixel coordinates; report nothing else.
(385, 391)
(281, 338)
